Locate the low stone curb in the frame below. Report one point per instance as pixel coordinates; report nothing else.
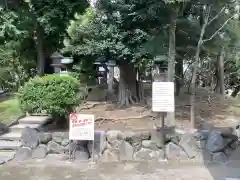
(194, 147)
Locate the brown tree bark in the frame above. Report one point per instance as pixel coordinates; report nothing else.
(171, 60)
(172, 47)
(179, 75)
(195, 65)
(127, 93)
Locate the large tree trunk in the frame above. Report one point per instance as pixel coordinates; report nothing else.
(179, 75)
(172, 47)
(170, 122)
(40, 52)
(127, 93)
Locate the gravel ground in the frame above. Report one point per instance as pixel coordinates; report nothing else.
(116, 171)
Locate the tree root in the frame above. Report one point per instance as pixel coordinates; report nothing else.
(126, 99)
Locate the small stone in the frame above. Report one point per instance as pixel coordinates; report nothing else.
(203, 157)
(136, 144)
(175, 138)
(65, 142)
(114, 135)
(135, 138)
(215, 142)
(149, 144)
(219, 157)
(174, 152)
(157, 137)
(57, 140)
(201, 144)
(44, 138)
(40, 152)
(59, 136)
(145, 135)
(110, 156)
(22, 154)
(148, 155)
(30, 138)
(126, 151)
(53, 147)
(189, 144)
(114, 144)
(131, 136)
(201, 135)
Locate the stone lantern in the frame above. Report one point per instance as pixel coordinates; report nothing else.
(106, 77)
(60, 63)
(161, 67)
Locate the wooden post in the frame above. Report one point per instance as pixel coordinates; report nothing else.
(161, 77)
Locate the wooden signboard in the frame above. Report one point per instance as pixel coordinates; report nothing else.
(163, 97)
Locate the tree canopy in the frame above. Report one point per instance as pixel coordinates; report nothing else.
(197, 39)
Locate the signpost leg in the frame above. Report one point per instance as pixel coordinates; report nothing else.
(163, 115)
(93, 152)
(161, 128)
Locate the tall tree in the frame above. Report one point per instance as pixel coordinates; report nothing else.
(45, 22)
(115, 33)
(209, 13)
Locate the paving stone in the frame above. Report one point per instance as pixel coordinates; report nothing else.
(9, 145)
(34, 120)
(11, 136)
(20, 127)
(22, 154)
(6, 156)
(30, 138)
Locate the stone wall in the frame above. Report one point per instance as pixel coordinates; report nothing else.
(202, 147)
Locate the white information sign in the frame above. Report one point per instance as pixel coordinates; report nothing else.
(163, 97)
(81, 126)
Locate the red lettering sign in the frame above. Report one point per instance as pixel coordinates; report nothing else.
(81, 122)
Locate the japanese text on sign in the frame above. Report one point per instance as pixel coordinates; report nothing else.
(81, 122)
(163, 97)
(81, 127)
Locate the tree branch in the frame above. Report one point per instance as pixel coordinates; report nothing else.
(215, 17)
(216, 32)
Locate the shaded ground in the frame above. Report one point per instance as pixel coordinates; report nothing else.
(116, 171)
(211, 109)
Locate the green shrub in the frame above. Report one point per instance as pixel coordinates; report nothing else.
(57, 95)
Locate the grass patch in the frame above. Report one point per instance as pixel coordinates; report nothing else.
(9, 111)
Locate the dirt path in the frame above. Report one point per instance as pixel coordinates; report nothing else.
(116, 171)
